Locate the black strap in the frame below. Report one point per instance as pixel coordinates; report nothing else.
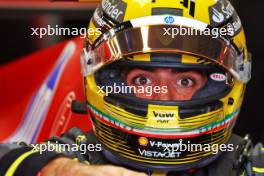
(35, 162)
(7, 160)
(257, 159)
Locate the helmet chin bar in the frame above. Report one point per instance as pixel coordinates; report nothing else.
(149, 168)
(116, 153)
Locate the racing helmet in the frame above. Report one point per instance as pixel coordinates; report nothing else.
(154, 134)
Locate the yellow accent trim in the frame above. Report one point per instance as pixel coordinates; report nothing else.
(189, 123)
(109, 142)
(86, 162)
(75, 159)
(259, 170)
(79, 139)
(159, 174)
(18, 161)
(127, 153)
(243, 174)
(142, 57)
(188, 59)
(191, 158)
(111, 107)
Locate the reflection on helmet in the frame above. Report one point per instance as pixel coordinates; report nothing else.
(149, 94)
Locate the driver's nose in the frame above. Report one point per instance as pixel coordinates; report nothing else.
(167, 95)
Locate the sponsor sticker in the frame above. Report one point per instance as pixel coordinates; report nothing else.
(220, 12)
(218, 77)
(234, 26)
(98, 19)
(169, 19)
(158, 154)
(114, 9)
(224, 13)
(217, 16)
(143, 141)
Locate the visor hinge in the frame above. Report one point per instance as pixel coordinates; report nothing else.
(79, 107)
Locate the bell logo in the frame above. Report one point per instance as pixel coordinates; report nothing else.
(218, 77)
(143, 141)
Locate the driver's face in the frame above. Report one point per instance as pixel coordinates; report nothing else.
(179, 85)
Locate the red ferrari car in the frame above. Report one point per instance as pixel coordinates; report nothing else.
(37, 90)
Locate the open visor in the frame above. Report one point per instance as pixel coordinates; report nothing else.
(163, 84)
(115, 45)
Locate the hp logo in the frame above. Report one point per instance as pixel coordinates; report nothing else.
(169, 19)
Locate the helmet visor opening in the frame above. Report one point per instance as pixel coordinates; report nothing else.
(162, 83)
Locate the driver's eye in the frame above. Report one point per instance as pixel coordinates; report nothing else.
(142, 81)
(185, 82)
